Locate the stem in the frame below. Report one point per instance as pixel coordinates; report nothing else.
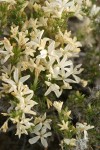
(35, 82)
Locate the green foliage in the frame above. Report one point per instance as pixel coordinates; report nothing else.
(87, 108)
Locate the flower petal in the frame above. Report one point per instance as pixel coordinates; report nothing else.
(34, 139)
(47, 134)
(44, 142)
(23, 79)
(16, 75)
(37, 128)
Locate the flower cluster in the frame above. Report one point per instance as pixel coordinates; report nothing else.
(37, 61)
(68, 131)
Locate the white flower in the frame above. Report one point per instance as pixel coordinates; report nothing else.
(29, 51)
(71, 142)
(26, 104)
(37, 7)
(43, 21)
(58, 105)
(14, 31)
(73, 71)
(67, 113)
(23, 125)
(43, 53)
(16, 86)
(53, 88)
(45, 122)
(61, 66)
(41, 134)
(22, 39)
(63, 37)
(83, 128)
(7, 70)
(72, 48)
(57, 7)
(64, 125)
(36, 38)
(62, 71)
(95, 10)
(8, 51)
(31, 23)
(4, 127)
(51, 53)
